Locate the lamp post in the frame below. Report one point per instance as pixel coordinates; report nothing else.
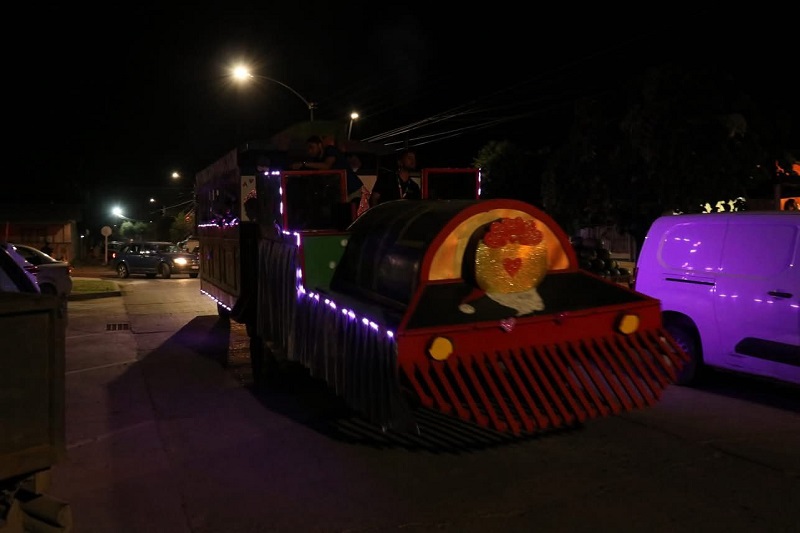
(353, 116)
(242, 74)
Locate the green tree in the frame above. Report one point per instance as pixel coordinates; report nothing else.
(134, 229)
(183, 225)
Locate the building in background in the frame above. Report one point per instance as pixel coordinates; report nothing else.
(35, 224)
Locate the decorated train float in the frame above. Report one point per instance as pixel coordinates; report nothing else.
(476, 308)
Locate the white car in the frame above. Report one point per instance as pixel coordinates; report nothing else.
(729, 286)
(190, 244)
(52, 275)
(16, 274)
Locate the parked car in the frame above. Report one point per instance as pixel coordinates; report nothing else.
(16, 273)
(729, 286)
(113, 249)
(153, 258)
(52, 275)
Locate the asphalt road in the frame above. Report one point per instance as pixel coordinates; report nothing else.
(164, 434)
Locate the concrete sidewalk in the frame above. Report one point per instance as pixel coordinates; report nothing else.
(135, 384)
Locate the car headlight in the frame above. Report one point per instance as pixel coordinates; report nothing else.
(181, 261)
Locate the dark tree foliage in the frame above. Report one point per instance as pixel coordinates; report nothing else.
(182, 226)
(510, 171)
(678, 139)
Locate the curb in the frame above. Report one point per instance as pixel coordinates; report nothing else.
(112, 289)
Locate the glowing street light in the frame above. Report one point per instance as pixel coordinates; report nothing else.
(353, 116)
(242, 74)
(117, 212)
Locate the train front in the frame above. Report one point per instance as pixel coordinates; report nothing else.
(477, 309)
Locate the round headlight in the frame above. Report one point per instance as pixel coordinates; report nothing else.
(440, 348)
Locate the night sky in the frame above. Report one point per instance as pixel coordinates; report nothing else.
(123, 96)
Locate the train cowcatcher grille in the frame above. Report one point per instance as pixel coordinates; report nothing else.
(536, 388)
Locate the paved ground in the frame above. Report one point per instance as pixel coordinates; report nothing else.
(163, 436)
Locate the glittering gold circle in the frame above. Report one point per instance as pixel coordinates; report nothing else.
(511, 268)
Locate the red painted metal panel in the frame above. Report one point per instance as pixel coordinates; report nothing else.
(524, 390)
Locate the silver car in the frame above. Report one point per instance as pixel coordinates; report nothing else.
(52, 275)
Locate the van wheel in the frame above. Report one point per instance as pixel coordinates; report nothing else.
(166, 272)
(122, 271)
(686, 338)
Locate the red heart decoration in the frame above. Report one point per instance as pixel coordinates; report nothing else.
(512, 265)
(507, 324)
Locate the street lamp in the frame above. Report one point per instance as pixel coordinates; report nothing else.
(353, 116)
(242, 74)
(117, 212)
(177, 192)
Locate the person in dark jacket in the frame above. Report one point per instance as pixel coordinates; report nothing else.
(324, 155)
